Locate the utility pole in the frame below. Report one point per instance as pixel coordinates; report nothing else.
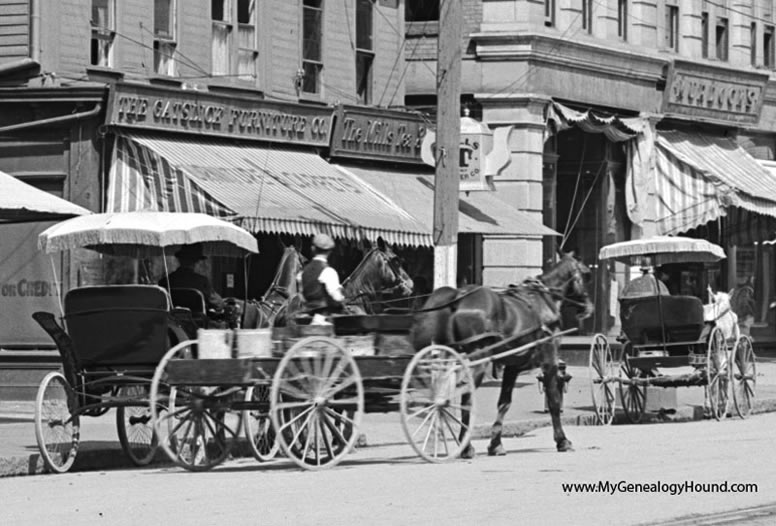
(448, 135)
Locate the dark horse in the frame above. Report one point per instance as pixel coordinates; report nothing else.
(481, 316)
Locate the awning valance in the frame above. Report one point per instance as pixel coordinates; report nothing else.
(479, 212)
(615, 128)
(699, 176)
(262, 189)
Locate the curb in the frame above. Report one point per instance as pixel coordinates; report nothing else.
(102, 457)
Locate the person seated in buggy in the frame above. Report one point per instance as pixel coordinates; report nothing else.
(186, 277)
(645, 285)
(319, 283)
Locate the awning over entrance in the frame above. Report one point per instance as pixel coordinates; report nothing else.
(698, 176)
(262, 189)
(479, 212)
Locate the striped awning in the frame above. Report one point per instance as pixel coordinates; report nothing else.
(262, 189)
(479, 212)
(699, 176)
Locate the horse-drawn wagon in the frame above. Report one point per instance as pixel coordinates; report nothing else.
(662, 331)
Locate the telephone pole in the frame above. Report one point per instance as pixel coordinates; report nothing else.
(448, 135)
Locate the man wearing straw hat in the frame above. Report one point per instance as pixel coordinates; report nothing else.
(319, 283)
(186, 277)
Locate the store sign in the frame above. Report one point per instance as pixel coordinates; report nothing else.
(714, 93)
(373, 134)
(27, 285)
(211, 114)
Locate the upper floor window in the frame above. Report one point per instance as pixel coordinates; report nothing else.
(587, 16)
(234, 46)
(312, 45)
(164, 37)
(768, 47)
(672, 27)
(705, 34)
(721, 39)
(103, 32)
(622, 19)
(247, 47)
(549, 13)
(421, 10)
(364, 50)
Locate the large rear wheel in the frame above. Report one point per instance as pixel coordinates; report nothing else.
(57, 426)
(134, 425)
(743, 376)
(437, 403)
(602, 377)
(717, 375)
(317, 402)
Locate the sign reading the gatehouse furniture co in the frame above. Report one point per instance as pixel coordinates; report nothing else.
(177, 110)
(715, 93)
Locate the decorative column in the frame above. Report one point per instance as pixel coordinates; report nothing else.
(510, 259)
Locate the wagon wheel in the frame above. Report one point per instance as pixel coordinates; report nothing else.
(436, 392)
(316, 402)
(134, 426)
(197, 428)
(57, 424)
(632, 395)
(743, 376)
(717, 375)
(602, 374)
(258, 424)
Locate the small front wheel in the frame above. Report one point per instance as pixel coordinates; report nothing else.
(602, 375)
(633, 392)
(258, 424)
(717, 375)
(57, 426)
(437, 403)
(743, 376)
(134, 425)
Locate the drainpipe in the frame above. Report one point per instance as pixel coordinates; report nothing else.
(35, 30)
(53, 120)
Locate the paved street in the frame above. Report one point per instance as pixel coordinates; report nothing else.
(388, 485)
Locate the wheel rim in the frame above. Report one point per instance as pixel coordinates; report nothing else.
(744, 377)
(258, 424)
(437, 391)
(135, 426)
(602, 371)
(717, 375)
(632, 396)
(317, 402)
(195, 426)
(57, 429)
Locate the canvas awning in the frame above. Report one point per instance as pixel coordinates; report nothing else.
(23, 203)
(479, 212)
(262, 189)
(699, 176)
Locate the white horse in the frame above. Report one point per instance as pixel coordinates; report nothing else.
(719, 310)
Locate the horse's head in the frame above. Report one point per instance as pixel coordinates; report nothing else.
(380, 271)
(567, 278)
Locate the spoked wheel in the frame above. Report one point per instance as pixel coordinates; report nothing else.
(197, 429)
(632, 395)
(437, 403)
(317, 402)
(258, 424)
(602, 373)
(57, 425)
(743, 376)
(134, 425)
(717, 375)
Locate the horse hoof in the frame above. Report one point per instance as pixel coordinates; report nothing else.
(565, 445)
(497, 451)
(468, 452)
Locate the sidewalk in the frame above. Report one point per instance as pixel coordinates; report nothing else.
(100, 450)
